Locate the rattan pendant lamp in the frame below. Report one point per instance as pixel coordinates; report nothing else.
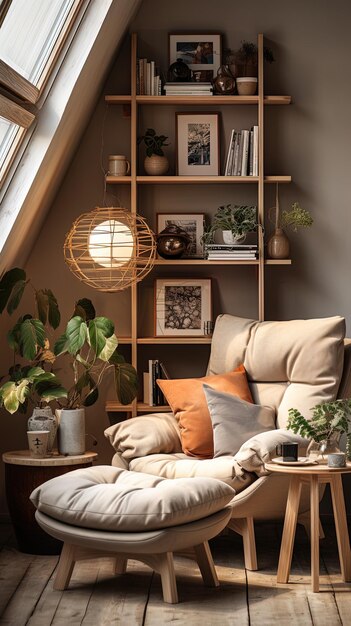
(110, 248)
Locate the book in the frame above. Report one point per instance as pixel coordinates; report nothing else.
(250, 168)
(146, 390)
(229, 154)
(255, 151)
(245, 152)
(156, 371)
(152, 78)
(235, 167)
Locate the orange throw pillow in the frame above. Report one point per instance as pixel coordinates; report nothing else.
(187, 400)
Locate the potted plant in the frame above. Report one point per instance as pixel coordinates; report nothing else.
(328, 422)
(243, 64)
(278, 246)
(235, 221)
(156, 162)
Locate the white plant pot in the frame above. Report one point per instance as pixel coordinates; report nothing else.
(156, 165)
(230, 238)
(44, 419)
(71, 431)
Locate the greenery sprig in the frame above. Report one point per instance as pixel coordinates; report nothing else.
(327, 418)
(153, 142)
(297, 217)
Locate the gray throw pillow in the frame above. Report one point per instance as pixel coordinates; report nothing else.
(234, 421)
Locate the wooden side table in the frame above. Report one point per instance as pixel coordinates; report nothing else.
(23, 473)
(313, 475)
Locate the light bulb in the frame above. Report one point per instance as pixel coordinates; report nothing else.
(111, 244)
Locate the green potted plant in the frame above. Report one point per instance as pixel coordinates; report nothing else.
(328, 422)
(243, 64)
(156, 162)
(235, 221)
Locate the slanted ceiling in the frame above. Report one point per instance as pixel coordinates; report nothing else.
(23, 211)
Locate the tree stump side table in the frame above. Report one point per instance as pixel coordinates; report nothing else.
(313, 475)
(23, 473)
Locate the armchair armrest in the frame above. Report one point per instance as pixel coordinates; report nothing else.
(260, 449)
(155, 433)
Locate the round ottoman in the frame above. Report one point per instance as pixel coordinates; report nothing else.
(108, 511)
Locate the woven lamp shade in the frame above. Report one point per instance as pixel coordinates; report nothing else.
(110, 248)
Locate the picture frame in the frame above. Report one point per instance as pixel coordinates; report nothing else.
(201, 53)
(183, 307)
(197, 141)
(192, 223)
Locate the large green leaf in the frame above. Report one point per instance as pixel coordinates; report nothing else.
(61, 345)
(7, 283)
(33, 373)
(32, 334)
(50, 389)
(76, 334)
(91, 397)
(42, 305)
(109, 349)
(100, 329)
(15, 297)
(85, 309)
(13, 395)
(126, 382)
(54, 312)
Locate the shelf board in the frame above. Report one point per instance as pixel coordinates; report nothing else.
(204, 180)
(118, 180)
(112, 406)
(278, 262)
(201, 100)
(124, 340)
(231, 262)
(175, 340)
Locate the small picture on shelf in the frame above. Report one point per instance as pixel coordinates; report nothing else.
(202, 54)
(197, 144)
(182, 306)
(192, 223)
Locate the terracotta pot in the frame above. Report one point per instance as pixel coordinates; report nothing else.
(156, 165)
(278, 245)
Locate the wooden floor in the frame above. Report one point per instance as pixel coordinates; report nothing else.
(244, 598)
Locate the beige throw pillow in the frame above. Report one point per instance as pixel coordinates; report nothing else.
(234, 421)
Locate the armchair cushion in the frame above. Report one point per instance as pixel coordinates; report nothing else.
(234, 421)
(261, 448)
(187, 400)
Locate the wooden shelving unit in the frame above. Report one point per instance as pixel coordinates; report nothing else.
(131, 103)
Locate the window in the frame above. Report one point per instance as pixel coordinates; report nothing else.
(32, 34)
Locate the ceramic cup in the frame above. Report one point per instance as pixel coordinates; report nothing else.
(337, 459)
(118, 165)
(38, 443)
(289, 451)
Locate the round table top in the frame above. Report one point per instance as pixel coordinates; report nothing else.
(23, 457)
(308, 470)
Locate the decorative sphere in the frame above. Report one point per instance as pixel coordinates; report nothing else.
(179, 72)
(172, 242)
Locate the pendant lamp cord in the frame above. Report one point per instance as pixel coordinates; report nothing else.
(103, 170)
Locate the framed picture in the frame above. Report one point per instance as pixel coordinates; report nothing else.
(202, 54)
(192, 223)
(197, 144)
(182, 306)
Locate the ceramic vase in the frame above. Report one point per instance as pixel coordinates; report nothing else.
(156, 165)
(71, 432)
(278, 245)
(44, 419)
(318, 450)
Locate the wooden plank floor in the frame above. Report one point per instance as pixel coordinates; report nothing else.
(95, 597)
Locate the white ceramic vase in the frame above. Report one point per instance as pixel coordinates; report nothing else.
(44, 419)
(156, 165)
(230, 238)
(71, 431)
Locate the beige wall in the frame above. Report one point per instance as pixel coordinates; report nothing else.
(309, 140)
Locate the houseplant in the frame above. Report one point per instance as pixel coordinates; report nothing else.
(235, 221)
(156, 162)
(328, 422)
(243, 64)
(278, 245)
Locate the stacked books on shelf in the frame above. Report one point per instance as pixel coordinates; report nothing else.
(231, 252)
(242, 156)
(153, 395)
(148, 79)
(188, 89)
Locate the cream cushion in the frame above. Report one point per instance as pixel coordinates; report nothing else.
(234, 421)
(112, 499)
(179, 465)
(297, 363)
(149, 434)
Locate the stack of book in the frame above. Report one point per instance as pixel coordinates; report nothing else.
(188, 89)
(148, 79)
(231, 252)
(242, 156)
(153, 395)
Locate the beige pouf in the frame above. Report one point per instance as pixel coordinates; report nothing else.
(107, 511)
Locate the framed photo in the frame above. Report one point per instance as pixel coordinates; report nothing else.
(192, 223)
(182, 306)
(197, 144)
(202, 53)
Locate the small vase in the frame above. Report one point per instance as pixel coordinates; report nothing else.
(44, 419)
(278, 245)
(318, 450)
(230, 238)
(156, 165)
(224, 83)
(71, 432)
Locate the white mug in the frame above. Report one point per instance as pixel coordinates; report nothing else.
(38, 443)
(118, 165)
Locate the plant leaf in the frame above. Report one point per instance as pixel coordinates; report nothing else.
(76, 334)
(32, 334)
(61, 345)
(42, 305)
(91, 397)
(7, 283)
(13, 395)
(126, 382)
(109, 349)
(15, 297)
(54, 312)
(100, 329)
(85, 309)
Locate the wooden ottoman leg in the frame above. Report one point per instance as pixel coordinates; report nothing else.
(120, 565)
(245, 527)
(163, 564)
(65, 567)
(206, 564)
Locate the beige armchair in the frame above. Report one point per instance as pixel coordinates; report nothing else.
(295, 363)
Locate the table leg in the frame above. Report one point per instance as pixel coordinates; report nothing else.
(292, 510)
(341, 526)
(314, 499)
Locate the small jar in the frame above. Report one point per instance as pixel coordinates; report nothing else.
(118, 165)
(246, 85)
